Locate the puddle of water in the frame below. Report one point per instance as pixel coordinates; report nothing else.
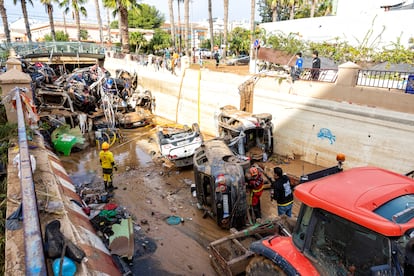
(127, 154)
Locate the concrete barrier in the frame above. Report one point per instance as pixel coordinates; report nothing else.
(313, 121)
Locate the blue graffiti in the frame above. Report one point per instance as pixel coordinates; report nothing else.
(326, 133)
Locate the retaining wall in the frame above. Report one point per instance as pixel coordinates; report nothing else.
(313, 120)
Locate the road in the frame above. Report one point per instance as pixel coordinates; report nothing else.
(151, 192)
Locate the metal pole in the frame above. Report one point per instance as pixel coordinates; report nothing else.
(33, 245)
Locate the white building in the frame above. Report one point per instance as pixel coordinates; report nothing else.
(372, 23)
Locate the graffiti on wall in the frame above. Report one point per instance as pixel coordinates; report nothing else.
(325, 133)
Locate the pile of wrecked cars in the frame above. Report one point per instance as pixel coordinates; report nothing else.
(87, 101)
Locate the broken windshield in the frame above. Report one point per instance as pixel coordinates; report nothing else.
(340, 247)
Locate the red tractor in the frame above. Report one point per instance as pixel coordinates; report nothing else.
(354, 222)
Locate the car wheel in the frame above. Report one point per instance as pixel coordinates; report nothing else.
(196, 128)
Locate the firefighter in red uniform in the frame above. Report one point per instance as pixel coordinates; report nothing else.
(255, 184)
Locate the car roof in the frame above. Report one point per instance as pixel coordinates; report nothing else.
(357, 194)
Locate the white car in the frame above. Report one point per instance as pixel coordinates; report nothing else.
(179, 144)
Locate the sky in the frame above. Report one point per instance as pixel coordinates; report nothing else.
(238, 10)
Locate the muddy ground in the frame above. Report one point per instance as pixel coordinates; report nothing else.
(151, 191)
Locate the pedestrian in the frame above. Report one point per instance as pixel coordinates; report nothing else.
(316, 65)
(174, 62)
(255, 185)
(281, 191)
(106, 158)
(217, 58)
(297, 69)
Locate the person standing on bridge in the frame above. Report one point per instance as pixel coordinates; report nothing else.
(298, 68)
(106, 158)
(281, 191)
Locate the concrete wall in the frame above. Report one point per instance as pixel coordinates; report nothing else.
(313, 121)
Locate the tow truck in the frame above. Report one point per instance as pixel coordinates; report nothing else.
(358, 221)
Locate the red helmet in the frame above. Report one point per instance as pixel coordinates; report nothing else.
(254, 171)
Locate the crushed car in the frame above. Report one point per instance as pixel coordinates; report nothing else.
(248, 135)
(178, 144)
(219, 176)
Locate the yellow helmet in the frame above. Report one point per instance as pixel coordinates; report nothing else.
(105, 146)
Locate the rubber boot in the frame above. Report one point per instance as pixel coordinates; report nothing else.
(111, 187)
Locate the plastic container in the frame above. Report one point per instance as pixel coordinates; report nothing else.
(68, 267)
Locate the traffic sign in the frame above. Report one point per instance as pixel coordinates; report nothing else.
(256, 43)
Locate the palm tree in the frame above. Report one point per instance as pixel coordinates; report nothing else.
(210, 21)
(26, 18)
(49, 9)
(98, 16)
(121, 8)
(76, 6)
(179, 25)
(313, 7)
(187, 27)
(5, 21)
(252, 25)
(226, 25)
(172, 23)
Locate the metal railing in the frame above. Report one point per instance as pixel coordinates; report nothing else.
(322, 75)
(33, 243)
(23, 49)
(383, 79)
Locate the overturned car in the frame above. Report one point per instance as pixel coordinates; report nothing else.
(178, 144)
(246, 134)
(220, 184)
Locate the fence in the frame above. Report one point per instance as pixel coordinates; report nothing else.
(383, 79)
(323, 75)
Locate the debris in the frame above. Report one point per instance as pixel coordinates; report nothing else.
(15, 220)
(121, 242)
(174, 220)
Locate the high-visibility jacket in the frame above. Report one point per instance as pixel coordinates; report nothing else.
(107, 159)
(256, 186)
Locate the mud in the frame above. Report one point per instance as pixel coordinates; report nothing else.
(151, 191)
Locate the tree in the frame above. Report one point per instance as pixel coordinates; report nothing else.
(147, 17)
(84, 34)
(179, 25)
(226, 25)
(121, 8)
(172, 23)
(252, 25)
(59, 36)
(25, 17)
(98, 16)
(49, 10)
(77, 7)
(210, 22)
(239, 40)
(187, 27)
(138, 40)
(5, 21)
(160, 40)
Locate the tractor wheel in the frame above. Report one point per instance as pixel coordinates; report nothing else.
(261, 266)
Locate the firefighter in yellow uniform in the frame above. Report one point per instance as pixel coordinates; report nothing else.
(107, 161)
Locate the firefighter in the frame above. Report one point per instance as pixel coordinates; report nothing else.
(106, 158)
(255, 184)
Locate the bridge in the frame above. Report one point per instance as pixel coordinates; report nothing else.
(58, 52)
